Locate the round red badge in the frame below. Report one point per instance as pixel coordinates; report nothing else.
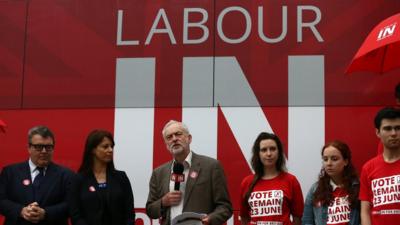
(26, 182)
(193, 174)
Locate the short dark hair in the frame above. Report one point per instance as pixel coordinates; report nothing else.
(92, 141)
(386, 113)
(397, 91)
(42, 131)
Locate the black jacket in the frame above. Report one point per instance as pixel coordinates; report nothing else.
(16, 192)
(88, 208)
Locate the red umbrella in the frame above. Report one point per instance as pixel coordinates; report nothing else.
(380, 51)
(2, 126)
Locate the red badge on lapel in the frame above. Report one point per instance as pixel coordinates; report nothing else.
(92, 189)
(26, 182)
(193, 174)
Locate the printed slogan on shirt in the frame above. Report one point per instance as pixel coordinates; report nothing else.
(266, 203)
(386, 190)
(339, 211)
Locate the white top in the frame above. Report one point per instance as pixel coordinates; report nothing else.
(334, 186)
(177, 210)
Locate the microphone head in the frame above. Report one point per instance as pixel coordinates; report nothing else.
(178, 168)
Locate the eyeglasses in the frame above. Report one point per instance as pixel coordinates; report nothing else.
(40, 147)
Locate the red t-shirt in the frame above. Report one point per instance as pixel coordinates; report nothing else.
(380, 185)
(272, 201)
(339, 209)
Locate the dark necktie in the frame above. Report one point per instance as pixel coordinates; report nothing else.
(39, 177)
(36, 183)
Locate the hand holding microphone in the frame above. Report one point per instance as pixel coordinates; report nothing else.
(174, 197)
(171, 198)
(178, 175)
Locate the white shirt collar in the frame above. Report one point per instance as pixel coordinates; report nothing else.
(33, 167)
(187, 163)
(333, 185)
(188, 160)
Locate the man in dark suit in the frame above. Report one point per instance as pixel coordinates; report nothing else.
(34, 191)
(203, 190)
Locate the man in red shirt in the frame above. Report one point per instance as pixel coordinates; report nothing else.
(397, 96)
(380, 176)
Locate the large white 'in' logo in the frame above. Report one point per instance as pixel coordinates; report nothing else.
(386, 31)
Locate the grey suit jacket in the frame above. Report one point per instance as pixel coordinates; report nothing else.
(207, 193)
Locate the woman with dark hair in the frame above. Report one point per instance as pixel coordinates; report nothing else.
(334, 198)
(100, 194)
(271, 195)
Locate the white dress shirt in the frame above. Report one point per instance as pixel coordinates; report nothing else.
(177, 209)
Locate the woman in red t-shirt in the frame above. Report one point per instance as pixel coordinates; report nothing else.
(271, 195)
(334, 198)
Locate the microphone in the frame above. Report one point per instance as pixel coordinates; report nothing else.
(178, 175)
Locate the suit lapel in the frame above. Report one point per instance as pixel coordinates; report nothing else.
(192, 178)
(164, 182)
(92, 182)
(110, 183)
(166, 179)
(26, 181)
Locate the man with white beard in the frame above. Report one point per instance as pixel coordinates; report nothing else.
(202, 187)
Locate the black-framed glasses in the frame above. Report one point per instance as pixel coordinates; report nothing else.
(40, 147)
